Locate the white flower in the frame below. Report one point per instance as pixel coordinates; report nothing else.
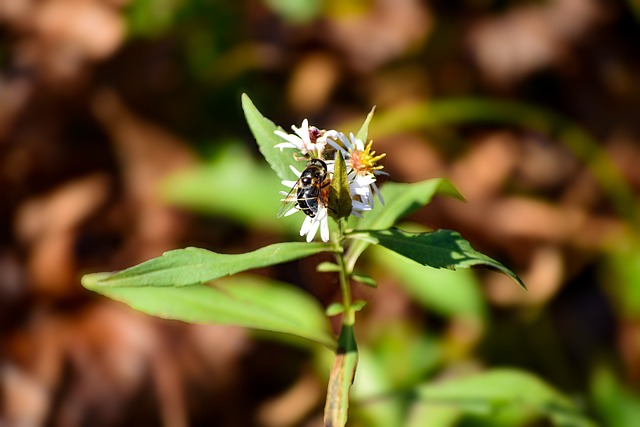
(361, 174)
(361, 167)
(309, 140)
(320, 221)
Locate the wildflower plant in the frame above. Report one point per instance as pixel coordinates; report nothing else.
(329, 177)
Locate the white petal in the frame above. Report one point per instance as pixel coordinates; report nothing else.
(360, 206)
(294, 170)
(375, 188)
(345, 141)
(284, 145)
(306, 225)
(331, 133)
(365, 179)
(291, 211)
(338, 147)
(357, 143)
(324, 230)
(294, 140)
(312, 232)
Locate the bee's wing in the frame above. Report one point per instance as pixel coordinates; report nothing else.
(289, 201)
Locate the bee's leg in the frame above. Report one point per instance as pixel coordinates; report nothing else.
(298, 158)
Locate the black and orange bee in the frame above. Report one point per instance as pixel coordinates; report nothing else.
(307, 194)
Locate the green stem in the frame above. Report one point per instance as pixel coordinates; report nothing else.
(349, 316)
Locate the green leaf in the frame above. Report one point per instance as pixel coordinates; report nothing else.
(363, 133)
(439, 249)
(400, 200)
(247, 301)
(365, 280)
(334, 309)
(616, 404)
(340, 379)
(622, 267)
(262, 129)
(505, 394)
(183, 267)
(446, 292)
(327, 267)
(340, 204)
(358, 305)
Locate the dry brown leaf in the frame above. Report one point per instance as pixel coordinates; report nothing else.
(486, 166)
(527, 38)
(47, 226)
(312, 81)
(291, 407)
(544, 276)
(25, 400)
(87, 27)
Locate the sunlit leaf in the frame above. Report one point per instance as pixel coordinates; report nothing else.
(262, 129)
(251, 302)
(296, 11)
(183, 267)
(438, 249)
(444, 291)
(327, 267)
(505, 394)
(365, 280)
(363, 133)
(400, 200)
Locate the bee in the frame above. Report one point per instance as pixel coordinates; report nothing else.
(306, 194)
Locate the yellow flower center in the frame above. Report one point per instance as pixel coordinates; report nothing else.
(364, 161)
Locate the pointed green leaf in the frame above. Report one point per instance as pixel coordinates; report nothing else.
(439, 249)
(446, 292)
(365, 280)
(334, 309)
(358, 305)
(340, 379)
(247, 301)
(400, 200)
(183, 267)
(363, 133)
(340, 204)
(327, 267)
(262, 129)
(505, 394)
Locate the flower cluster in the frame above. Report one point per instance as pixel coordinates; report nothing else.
(310, 192)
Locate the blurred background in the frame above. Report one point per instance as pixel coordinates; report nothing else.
(122, 136)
